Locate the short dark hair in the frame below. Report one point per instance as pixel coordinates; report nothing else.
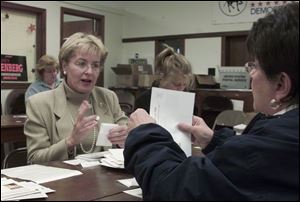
(274, 42)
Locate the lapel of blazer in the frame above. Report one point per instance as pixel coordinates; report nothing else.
(100, 107)
(63, 115)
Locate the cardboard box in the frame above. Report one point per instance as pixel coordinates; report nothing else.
(146, 80)
(204, 81)
(128, 74)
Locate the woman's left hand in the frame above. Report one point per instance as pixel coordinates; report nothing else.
(118, 135)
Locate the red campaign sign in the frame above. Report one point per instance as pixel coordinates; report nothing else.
(13, 68)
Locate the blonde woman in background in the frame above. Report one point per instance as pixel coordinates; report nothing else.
(46, 76)
(65, 121)
(175, 74)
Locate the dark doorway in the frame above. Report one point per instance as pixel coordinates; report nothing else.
(234, 51)
(73, 21)
(85, 26)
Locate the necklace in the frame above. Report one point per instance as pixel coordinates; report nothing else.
(94, 134)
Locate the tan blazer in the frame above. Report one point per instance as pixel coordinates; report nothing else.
(49, 121)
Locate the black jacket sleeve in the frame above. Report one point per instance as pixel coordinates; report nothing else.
(165, 173)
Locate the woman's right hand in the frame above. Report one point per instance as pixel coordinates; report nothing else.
(201, 133)
(82, 126)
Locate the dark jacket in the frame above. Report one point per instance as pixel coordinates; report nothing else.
(261, 164)
(143, 101)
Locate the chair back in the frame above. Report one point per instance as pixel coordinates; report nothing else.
(15, 102)
(15, 158)
(214, 105)
(249, 117)
(229, 118)
(126, 101)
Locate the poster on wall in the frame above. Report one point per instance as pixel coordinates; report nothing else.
(242, 11)
(13, 68)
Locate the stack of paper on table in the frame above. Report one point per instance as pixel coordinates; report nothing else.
(92, 156)
(114, 158)
(87, 160)
(13, 190)
(39, 173)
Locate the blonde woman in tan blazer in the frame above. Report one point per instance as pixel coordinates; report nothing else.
(65, 121)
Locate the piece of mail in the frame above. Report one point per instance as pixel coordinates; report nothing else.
(103, 132)
(170, 107)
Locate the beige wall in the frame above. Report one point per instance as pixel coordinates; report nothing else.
(113, 31)
(170, 18)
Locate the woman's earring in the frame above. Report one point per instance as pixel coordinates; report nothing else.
(65, 72)
(274, 104)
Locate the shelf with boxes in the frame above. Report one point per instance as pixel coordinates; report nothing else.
(134, 75)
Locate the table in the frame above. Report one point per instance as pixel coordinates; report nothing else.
(96, 183)
(245, 95)
(120, 197)
(12, 131)
(12, 128)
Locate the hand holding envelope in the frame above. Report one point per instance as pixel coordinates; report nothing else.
(103, 132)
(111, 134)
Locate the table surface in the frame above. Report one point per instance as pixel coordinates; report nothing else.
(11, 121)
(12, 128)
(96, 183)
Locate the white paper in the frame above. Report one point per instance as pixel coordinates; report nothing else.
(168, 108)
(92, 156)
(117, 154)
(13, 190)
(83, 163)
(238, 105)
(37, 186)
(114, 159)
(239, 128)
(103, 132)
(135, 192)
(131, 182)
(106, 162)
(39, 173)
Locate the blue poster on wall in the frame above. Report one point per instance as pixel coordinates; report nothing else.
(13, 68)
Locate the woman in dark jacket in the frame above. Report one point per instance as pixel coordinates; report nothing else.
(260, 164)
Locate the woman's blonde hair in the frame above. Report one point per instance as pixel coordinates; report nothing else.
(169, 63)
(45, 62)
(84, 42)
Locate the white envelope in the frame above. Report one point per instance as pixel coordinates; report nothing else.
(103, 132)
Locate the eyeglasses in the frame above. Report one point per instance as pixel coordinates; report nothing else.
(84, 65)
(250, 66)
